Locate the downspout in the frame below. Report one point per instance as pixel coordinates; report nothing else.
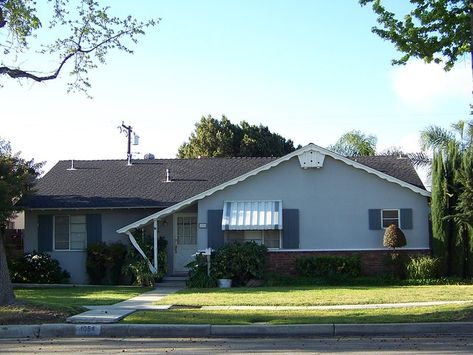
(138, 248)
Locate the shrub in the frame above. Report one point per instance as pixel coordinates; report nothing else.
(37, 268)
(328, 266)
(115, 262)
(394, 237)
(162, 258)
(239, 262)
(133, 259)
(111, 263)
(423, 268)
(96, 263)
(141, 273)
(198, 273)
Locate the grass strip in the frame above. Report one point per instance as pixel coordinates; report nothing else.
(398, 315)
(318, 295)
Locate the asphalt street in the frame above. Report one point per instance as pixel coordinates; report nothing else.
(445, 344)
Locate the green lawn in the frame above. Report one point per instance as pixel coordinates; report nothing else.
(77, 296)
(394, 315)
(318, 295)
(55, 304)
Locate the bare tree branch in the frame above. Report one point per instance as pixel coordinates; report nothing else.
(18, 73)
(87, 34)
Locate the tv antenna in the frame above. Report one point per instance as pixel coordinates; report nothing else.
(128, 132)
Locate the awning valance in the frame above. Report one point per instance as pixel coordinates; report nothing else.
(252, 215)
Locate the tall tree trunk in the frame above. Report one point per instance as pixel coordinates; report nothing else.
(6, 289)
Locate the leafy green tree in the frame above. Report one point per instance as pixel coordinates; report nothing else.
(439, 207)
(464, 207)
(221, 138)
(463, 212)
(450, 177)
(17, 177)
(211, 138)
(437, 31)
(86, 32)
(355, 143)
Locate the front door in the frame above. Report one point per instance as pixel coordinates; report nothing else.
(185, 240)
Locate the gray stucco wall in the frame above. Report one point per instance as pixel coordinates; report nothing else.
(333, 203)
(74, 261)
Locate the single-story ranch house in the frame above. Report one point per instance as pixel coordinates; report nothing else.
(310, 201)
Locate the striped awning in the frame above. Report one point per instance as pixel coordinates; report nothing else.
(252, 215)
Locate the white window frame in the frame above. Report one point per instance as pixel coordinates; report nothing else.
(225, 239)
(391, 209)
(54, 234)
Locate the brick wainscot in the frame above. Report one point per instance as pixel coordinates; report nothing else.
(373, 262)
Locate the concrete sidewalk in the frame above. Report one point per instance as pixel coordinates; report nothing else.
(335, 307)
(115, 313)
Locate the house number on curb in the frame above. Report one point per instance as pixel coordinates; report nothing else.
(88, 330)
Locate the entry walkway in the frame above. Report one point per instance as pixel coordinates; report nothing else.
(115, 313)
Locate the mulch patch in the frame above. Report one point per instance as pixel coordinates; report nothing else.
(25, 313)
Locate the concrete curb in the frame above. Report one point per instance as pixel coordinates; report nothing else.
(403, 328)
(207, 330)
(19, 331)
(123, 330)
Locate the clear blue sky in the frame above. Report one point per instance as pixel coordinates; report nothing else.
(309, 70)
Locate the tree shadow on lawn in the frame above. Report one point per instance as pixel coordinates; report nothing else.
(27, 313)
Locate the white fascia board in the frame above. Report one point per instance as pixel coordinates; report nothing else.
(310, 146)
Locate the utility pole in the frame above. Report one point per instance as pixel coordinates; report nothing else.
(128, 130)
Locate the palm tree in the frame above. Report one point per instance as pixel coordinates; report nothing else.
(437, 139)
(355, 143)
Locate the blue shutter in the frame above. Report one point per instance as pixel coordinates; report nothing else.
(94, 228)
(214, 228)
(45, 232)
(290, 233)
(406, 218)
(374, 219)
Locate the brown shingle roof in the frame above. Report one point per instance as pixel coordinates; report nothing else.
(113, 184)
(395, 166)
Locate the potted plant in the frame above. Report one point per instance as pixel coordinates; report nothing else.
(222, 272)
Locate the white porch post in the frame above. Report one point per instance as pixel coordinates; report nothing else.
(155, 244)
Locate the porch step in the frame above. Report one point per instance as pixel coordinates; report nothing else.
(175, 278)
(173, 281)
